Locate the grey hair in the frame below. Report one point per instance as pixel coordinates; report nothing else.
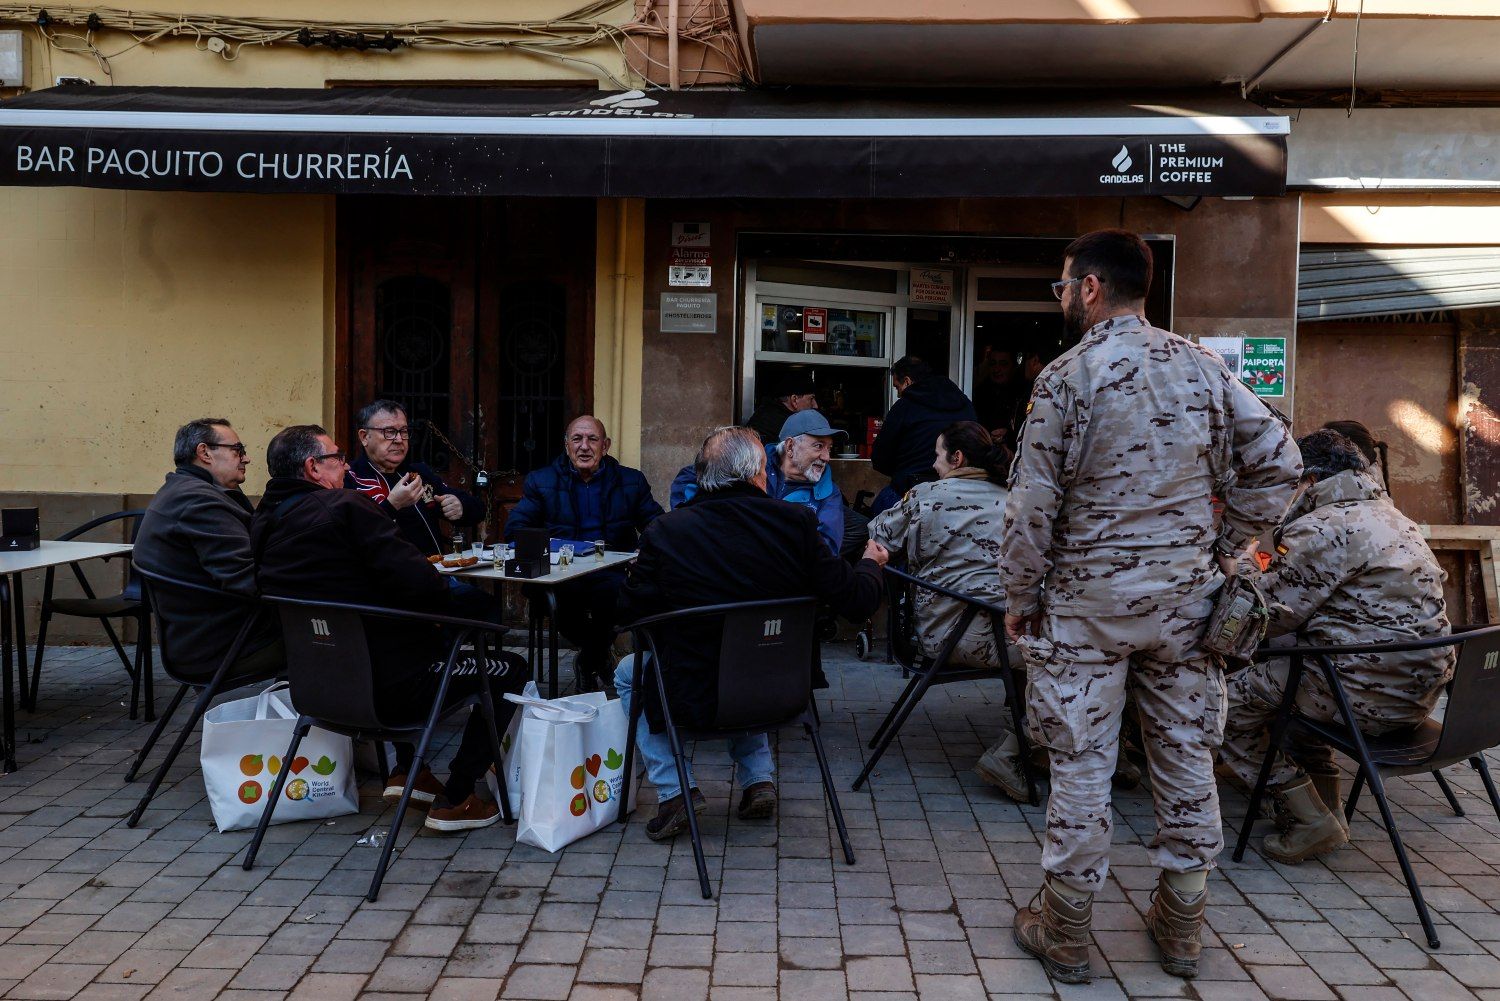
(195, 433)
(373, 410)
(291, 448)
(729, 455)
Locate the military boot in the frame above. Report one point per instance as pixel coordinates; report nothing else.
(1056, 931)
(1326, 784)
(1305, 827)
(1000, 766)
(1174, 926)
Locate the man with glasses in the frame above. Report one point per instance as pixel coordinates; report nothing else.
(314, 539)
(586, 495)
(1109, 560)
(410, 492)
(197, 529)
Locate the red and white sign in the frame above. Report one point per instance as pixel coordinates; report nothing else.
(814, 325)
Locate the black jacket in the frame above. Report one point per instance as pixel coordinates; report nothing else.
(419, 524)
(903, 449)
(548, 501)
(337, 545)
(730, 545)
(197, 531)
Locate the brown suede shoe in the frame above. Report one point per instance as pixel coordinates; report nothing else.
(471, 814)
(671, 817)
(1056, 932)
(758, 801)
(424, 792)
(1175, 927)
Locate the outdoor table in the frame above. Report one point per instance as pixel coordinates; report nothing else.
(581, 566)
(1481, 539)
(13, 615)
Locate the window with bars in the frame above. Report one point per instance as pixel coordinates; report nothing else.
(413, 329)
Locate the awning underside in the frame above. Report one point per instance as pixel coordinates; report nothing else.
(461, 141)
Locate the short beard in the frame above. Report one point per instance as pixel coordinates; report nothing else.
(813, 473)
(1075, 319)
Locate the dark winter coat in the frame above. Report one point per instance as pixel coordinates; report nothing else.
(903, 449)
(419, 524)
(735, 544)
(548, 500)
(197, 531)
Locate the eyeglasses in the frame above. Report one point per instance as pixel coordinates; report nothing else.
(1059, 287)
(336, 456)
(392, 434)
(237, 448)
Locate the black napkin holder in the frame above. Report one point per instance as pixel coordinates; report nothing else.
(20, 529)
(533, 556)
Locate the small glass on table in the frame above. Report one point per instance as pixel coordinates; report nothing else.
(598, 550)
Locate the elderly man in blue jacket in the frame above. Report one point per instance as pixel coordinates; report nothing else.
(586, 495)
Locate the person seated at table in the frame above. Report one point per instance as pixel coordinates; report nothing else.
(197, 529)
(796, 394)
(797, 472)
(949, 530)
(586, 495)
(928, 403)
(730, 542)
(316, 540)
(1347, 568)
(410, 492)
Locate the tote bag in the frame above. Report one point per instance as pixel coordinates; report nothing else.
(243, 742)
(569, 767)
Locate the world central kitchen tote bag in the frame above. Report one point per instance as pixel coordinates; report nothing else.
(570, 758)
(243, 742)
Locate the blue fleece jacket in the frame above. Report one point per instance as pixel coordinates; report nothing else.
(823, 497)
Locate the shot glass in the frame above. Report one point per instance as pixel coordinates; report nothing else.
(565, 556)
(598, 550)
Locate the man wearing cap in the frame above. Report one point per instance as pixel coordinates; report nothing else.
(796, 395)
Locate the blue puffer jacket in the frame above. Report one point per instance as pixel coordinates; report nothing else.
(823, 497)
(548, 501)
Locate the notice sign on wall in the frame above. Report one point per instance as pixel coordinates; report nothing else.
(814, 325)
(689, 312)
(1259, 362)
(931, 287)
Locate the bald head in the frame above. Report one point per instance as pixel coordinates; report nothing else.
(586, 443)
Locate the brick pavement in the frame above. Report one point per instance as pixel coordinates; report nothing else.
(93, 909)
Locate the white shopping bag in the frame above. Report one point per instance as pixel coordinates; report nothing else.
(569, 767)
(243, 742)
(511, 759)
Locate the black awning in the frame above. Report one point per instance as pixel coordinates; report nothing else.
(761, 143)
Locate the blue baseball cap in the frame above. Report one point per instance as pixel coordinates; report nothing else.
(809, 422)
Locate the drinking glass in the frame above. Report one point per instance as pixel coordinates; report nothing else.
(598, 550)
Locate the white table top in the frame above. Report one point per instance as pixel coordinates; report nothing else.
(53, 554)
(580, 567)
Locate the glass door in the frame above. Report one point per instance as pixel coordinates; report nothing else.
(1014, 329)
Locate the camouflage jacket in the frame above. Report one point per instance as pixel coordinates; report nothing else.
(1350, 568)
(949, 531)
(1127, 439)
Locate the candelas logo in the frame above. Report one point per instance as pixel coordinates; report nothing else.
(1122, 164)
(627, 103)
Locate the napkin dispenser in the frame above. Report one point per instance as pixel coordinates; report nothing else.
(20, 529)
(533, 554)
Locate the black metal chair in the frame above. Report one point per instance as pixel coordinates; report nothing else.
(333, 687)
(766, 658)
(125, 605)
(928, 671)
(176, 663)
(1468, 728)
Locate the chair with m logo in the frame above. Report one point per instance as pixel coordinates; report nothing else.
(1468, 728)
(765, 675)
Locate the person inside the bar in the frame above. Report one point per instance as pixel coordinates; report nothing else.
(730, 542)
(586, 495)
(996, 395)
(796, 393)
(313, 539)
(928, 403)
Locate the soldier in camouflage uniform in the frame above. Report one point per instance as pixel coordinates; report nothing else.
(1109, 557)
(949, 530)
(1348, 568)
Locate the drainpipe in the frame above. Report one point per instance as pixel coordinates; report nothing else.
(1250, 84)
(621, 277)
(672, 78)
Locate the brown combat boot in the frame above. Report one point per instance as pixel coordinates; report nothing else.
(1305, 827)
(1057, 932)
(1326, 784)
(1174, 926)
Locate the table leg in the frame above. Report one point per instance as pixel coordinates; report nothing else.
(551, 644)
(7, 667)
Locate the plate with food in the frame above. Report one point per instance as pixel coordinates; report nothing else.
(453, 564)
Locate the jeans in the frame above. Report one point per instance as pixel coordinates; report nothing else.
(752, 755)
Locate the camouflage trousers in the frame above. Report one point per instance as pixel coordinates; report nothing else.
(1081, 671)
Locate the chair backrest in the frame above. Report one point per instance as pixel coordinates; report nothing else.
(328, 663)
(131, 530)
(181, 665)
(766, 663)
(1470, 723)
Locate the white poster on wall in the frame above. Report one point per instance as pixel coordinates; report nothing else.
(931, 287)
(1231, 349)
